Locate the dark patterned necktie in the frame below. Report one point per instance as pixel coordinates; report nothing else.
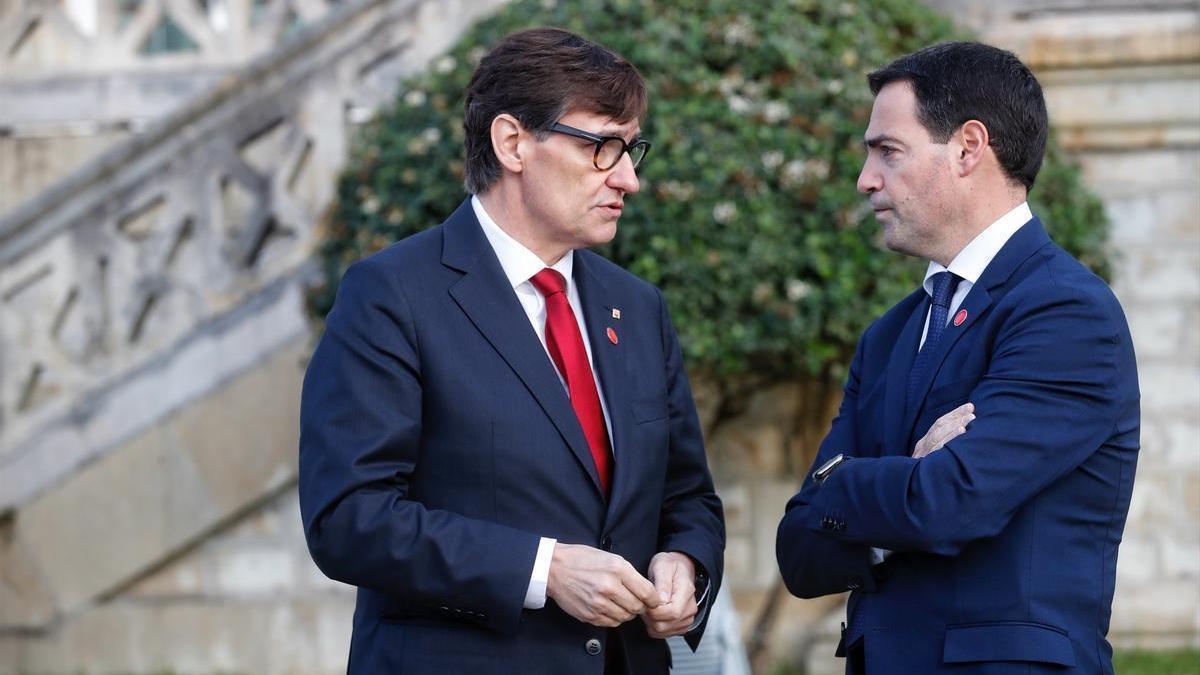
(944, 285)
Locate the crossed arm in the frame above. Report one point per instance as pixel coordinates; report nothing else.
(1051, 394)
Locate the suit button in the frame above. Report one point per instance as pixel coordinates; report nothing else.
(592, 646)
(606, 544)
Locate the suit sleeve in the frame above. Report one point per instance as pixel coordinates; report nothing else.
(813, 565)
(360, 441)
(691, 520)
(1054, 391)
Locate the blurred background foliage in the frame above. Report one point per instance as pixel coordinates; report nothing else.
(748, 217)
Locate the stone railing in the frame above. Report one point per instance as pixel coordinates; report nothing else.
(79, 76)
(152, 321)
(120, 288)
(57, 36)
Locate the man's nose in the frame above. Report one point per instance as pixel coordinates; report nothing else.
(624, 176)
(868, 179)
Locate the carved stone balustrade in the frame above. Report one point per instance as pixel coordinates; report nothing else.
(165, 269)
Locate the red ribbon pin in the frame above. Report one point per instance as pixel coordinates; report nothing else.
(612, 336)
(960, 317)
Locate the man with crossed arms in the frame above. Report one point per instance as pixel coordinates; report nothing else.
(991, 548)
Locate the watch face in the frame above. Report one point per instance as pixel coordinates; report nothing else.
(825, 468)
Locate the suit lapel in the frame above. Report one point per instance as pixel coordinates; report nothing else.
(487, 298)
(598, 299)
(1023, 243)
(904, 352)
(974, 304)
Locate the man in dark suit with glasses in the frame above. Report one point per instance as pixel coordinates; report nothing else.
(499, 445)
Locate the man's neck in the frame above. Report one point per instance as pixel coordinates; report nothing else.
(509, 216)
(977, 217)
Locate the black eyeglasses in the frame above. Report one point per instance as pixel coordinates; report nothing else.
(608, 148)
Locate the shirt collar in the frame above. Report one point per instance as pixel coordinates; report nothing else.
(517, 261)
(974, 258)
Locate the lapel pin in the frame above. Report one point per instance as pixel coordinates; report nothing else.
(616, 313)
(612, 335)
(960, 317)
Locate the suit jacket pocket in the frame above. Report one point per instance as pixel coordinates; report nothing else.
(1008, 641)
(947, 397)
(649, 409)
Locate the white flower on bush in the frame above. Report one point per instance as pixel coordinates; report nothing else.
(794, 173)
(799, 171)
(415, 98)
(739, 32)
(677, 190)
(730, 83)
(772, 159)
(725, 212)
(445, 64)
(739, 104)
(817, 168)
(797, 289)
(775, 111)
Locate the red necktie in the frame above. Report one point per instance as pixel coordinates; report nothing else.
(565, 344)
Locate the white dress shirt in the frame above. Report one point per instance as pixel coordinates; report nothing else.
(519, 265)
(969, 265)
(974, 258)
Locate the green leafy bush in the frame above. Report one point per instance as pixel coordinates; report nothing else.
(748, 217)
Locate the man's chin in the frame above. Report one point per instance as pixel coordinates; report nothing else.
(892, 240)
(901, 245)
(602, 233)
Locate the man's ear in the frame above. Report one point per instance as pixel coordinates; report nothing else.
(973, 146)
(507, 134)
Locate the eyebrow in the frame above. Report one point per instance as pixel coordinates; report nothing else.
(876, 141)
(637, 133)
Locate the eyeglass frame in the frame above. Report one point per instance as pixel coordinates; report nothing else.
(567, 130)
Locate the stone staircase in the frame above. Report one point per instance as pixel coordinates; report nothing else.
(152, 340)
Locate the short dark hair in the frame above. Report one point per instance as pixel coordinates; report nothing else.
(539, 75)
(955, 82)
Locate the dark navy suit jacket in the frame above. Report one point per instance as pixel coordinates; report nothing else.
(1006, 539)
(438, 445)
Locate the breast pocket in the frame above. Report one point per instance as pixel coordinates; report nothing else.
(941, 400)
(646, 410)
(946, 397)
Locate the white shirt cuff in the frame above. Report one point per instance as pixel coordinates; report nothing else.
(535, 595)
(878, 555)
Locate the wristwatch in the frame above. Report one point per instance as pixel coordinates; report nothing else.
(827, 468)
